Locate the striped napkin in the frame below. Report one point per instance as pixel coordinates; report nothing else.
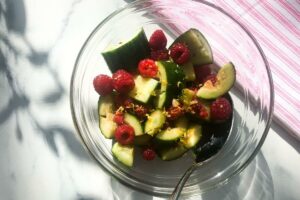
(276, 26)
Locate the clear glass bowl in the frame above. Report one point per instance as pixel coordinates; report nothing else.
(252, 93)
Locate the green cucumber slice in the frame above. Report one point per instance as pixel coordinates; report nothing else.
(225, 81)
(170, 135)
(171, 76)
(155, 122)
(105, 111)
(134, 123)
(127, 55)
(192, 136)
(125, 154)
(105, 105)
(173, 152)
(188, 70)
(143, 88)
(200, 50)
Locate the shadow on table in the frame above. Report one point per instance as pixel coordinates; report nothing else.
(255, 182)
(14, 22)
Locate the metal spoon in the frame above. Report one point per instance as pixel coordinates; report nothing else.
(202, 153)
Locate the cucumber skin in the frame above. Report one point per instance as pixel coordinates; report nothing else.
(175, 75)
(129, 54)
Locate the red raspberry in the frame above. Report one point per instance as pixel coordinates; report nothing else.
(212, 78)
(119, 118)
(124, 101)
(147, 68)
(158, 40)
(124, 134)
(123, 81)
(148, 154)
(200, 110)
(221, 109)
(180, 53)
(103, 84)
(162, 54)
(202, 72)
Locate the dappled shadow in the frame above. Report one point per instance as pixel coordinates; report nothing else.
(13, 19)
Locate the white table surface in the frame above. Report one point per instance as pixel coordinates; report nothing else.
(40, 155)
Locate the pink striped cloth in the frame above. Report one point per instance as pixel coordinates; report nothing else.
(276, 26)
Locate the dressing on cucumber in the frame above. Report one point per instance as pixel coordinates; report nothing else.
(155, 122)
(192, 136)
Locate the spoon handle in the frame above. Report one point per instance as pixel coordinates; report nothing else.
(176, 193)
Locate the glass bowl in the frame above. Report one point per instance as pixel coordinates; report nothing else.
(252, 93)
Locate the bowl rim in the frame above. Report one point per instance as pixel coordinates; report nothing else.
(270, 106)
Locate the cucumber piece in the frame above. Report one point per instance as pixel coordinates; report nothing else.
(127, 55)
(188, 70)
(173, 152)
(142, 140)
(105, 111)
(225, 81)
(105, 105)
(124, 154)
(200, 50)
(170, 135)
(192, 136)
(107, 127)
(155, 122)
(143, 88)
(134, 123)
(171, 76)
(182, 122)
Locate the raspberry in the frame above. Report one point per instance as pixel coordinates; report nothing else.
(124, 134)
(148, 154)
(221, 109)
(140, 111)
(147, 68)
(158, 40)
(103, 84)
(174, 112)
(128, 104)
(199, 109)
(202, 72)
(180, 53)
(162, 54)
(119, 118)
(124, 101)
(212, 78)
(123, 81)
